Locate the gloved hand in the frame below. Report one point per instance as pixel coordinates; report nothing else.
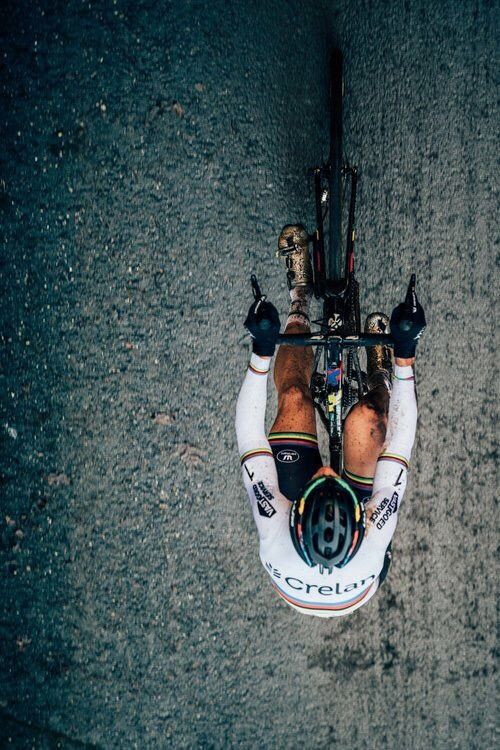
(407, 323)
(263, 324)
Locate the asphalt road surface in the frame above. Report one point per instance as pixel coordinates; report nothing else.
(151, 152)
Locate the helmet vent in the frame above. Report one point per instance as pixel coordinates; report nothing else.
(329, 529)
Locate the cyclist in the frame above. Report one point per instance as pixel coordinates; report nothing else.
(325, 540)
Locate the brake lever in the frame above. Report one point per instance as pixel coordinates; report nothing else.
(411, 295)
(410, 303)
(257, 294)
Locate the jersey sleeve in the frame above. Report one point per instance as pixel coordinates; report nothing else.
(392, 466)
(257, 460)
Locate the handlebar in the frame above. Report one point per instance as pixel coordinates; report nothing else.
(321, 338)
(325, 339)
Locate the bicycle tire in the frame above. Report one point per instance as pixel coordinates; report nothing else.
(335, 168)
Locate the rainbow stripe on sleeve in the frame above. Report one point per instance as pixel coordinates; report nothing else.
(401, 460)
(254, 453)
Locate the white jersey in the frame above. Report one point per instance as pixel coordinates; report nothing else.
(316, 591)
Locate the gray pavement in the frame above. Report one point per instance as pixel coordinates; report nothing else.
(150, 154)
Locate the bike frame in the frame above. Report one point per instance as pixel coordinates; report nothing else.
(328, 386)
(339, 383)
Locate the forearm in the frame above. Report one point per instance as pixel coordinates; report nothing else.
(251, 406)
(402, 419)
(392, 464)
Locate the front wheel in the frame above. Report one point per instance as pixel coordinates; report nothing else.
(335, 166)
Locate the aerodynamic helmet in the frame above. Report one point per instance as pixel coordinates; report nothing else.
(327, 523)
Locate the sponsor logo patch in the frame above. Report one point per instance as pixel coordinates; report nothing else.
(288, 456)
(264, 497)
(385, 510)
(312, 588)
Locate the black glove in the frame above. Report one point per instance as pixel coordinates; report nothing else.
(263, 324)
(407, 323)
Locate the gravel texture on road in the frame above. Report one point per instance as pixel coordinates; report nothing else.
(151, 153)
